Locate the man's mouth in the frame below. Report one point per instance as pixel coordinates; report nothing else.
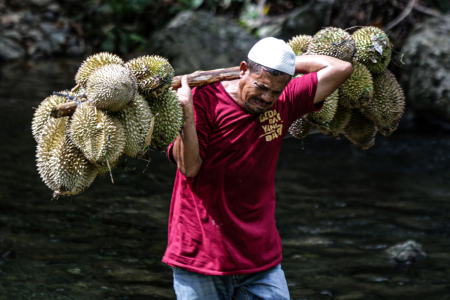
(259, 102)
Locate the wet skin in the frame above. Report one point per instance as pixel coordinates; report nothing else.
(259, 92)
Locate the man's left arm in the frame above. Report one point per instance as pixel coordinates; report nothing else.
(331, 72)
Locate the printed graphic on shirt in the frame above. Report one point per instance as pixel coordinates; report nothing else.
(271, 124)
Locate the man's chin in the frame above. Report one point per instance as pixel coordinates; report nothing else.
(255, 110)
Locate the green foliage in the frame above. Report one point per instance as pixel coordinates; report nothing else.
(115, 25)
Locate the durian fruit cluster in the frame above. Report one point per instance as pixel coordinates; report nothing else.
(123, 109)
(370, 101)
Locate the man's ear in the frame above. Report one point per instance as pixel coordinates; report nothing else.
(243, 69)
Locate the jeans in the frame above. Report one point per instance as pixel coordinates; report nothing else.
(269, 284)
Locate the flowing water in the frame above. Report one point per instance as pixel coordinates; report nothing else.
(339, 209)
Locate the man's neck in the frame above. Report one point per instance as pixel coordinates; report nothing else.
(232, 87)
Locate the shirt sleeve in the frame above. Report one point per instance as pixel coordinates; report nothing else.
(299, 94)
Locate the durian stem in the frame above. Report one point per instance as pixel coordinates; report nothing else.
(197, 78)
(64, 109)
(110, 171)
(75, 88)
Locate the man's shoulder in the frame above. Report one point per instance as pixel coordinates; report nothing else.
(210, 92)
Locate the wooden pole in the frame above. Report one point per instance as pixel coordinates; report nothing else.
(197, 78)
(200, 78)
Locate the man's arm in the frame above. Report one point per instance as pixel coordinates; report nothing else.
(331, 72)
(185, 149)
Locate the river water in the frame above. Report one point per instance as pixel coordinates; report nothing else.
(339, 209)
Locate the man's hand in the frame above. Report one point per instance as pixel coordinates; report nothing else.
(185, 97)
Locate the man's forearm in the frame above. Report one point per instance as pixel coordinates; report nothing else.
(186, 149)
(313, 63)
(331, 72)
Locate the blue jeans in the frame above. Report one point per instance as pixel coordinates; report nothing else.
(270, 284)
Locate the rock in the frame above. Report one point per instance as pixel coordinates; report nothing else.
(40, 3)
(406, 253)
(198, 40)
(13, 34)
(10, 50)
(307, 19)
(30, 18)
(43, 48)
(426, 73)
(76, 47)
(35, 35)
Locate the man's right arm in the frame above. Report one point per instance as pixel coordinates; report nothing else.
(185, 149)
(331, 72)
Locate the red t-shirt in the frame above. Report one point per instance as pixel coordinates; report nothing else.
(222, 221)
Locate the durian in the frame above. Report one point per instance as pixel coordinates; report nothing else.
(42, 114)
(360, 130)
(326, 114)
(100, 136)
(111, 87)
(388, 103)
(169, 118)
(154, 74)
(373, 48)
(333, 42)
(358, 89)
(94, 62)
(340, 120)
(61, 165)
(137, 120)
(300, 43)
(300, 128)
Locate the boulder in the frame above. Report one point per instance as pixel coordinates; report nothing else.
(199, 40)
(426, 73)
(307, 19)
(10, 50)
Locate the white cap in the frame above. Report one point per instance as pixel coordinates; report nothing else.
(273, 53)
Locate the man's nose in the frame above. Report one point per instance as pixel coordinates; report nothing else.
(267, 97)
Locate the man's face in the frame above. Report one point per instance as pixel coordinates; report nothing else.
(259, 92)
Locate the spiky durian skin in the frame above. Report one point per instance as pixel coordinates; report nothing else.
(358, 89)
(373, 48)
(136, 119)
(326, 114)
(111, 87)
(169, 118)
(387, 105)
(340, 120)
(42, 113)
(300, 43)
(100, 136)
(94, 62)
(154, 74)
(333, 42)
(61, 165)
(360, 130)
(300, 128)
(52, 137)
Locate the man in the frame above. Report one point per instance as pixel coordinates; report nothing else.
(223, 242)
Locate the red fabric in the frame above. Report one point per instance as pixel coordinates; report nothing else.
(222, 221)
